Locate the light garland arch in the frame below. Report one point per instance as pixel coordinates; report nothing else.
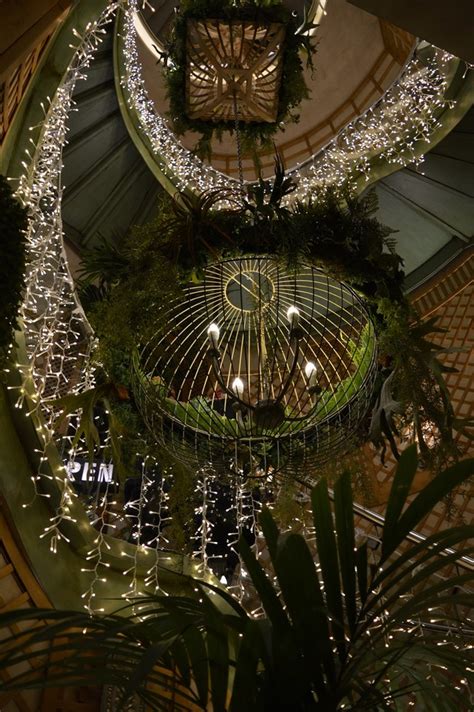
(57, 335)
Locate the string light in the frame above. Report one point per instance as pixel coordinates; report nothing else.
(58, 338)
(161, 513)
(206, 486)
(177, 163)
(391, 131)
(95, 555)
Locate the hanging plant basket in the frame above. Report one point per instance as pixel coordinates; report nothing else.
(228, 62)
(233, 70)
(241, 270)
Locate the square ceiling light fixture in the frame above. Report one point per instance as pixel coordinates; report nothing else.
(233, 70)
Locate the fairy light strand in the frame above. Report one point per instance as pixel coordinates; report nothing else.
(57, 334)
(392, 130)
(96, 553)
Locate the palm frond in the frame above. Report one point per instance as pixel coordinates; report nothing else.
(338, 630)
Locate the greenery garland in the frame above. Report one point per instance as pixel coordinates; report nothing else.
(13, 222)
(126, 290)
(293, 89)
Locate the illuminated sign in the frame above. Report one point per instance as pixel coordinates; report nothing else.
(84, 471)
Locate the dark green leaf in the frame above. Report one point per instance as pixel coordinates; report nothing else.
(301, 591)
(346, 544)
(362, 564)
(270, 530)
(196, 649)
(270, 601)
(433, 493)
(150, 657)
(244, 689)
(328, 560)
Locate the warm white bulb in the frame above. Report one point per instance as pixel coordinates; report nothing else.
(223, 580)
(238, 386)
(293, 315)
(213, 334)
(311, 373)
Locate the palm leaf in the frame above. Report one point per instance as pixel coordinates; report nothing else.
(361, 563)
(328, 560)
(218, 644)
(267, 593)
(399, 492)
(433, 493)
(344, 515)
(301, 591)
(287, 658)
(105, 263)
(245, 689)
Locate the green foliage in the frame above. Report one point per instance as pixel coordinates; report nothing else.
(341, 233)
(126, 288)
(419, 380)
(126, 291)
(286, 509)
(339, 629)
(13, 223)
(128, 308)
(105, 263)
(193, 231)
(255, 135)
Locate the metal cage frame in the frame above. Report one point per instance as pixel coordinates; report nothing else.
(185, 379)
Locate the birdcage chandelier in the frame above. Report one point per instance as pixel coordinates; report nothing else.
(259, 370)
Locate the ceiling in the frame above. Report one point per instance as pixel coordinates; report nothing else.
(357, 59)
(432, 206)
(108, 186)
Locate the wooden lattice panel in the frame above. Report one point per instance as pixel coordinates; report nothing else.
(233, 65)
(18, 589)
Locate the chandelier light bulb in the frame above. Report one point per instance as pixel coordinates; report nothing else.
(311, 373)
(293, 316)
(213, 334)
(238, 386)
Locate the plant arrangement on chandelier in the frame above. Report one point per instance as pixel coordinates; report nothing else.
(345, 627)
(335, 231)
(293, 90)
(13, 223)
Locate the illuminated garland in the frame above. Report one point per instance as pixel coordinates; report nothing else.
(205, 485)
(94, 555)
(256, 134)
(57, 336)
(177, 163)
(57, 333)
(159, 541)
(392, 130)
